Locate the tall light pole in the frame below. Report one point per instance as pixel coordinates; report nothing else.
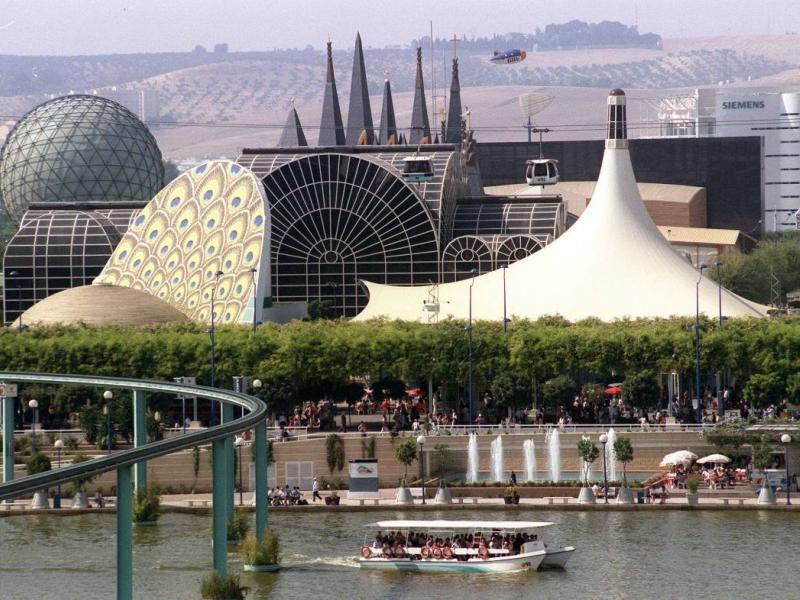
(211, 337)
(504, 266)
(700, 268)
(253, 273)
(108, 396)
(718, 264)
(473, 272)
(604, 441)
(786, 440)
(239, 442)
(34, 406)
(59, 445)
(421, 444)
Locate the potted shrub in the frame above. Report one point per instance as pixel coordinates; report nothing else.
(334, 498)
(511, 495)
(588, 453)
(692, 483)
(261, 555)
(623, 450)
(238, 527)
(79, 497)
(762, 460)
(403, 495)
(442, 494)
(39, 463)
(147, 507)
(216, 587)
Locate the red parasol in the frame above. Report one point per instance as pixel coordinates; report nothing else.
(614, 390)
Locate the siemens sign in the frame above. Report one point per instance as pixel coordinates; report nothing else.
(740, 104)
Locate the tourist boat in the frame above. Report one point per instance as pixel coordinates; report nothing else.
(474, 553)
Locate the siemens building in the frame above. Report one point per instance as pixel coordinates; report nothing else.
(772, 116)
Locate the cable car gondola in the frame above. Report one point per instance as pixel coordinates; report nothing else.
(417, 169)
(541, 171)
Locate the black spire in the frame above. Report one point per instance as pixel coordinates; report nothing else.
(292, 134)
(453, 135)
(388, 129)
(359, 115)
(420, 126)
(331, 129)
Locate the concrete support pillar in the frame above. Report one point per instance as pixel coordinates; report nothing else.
(8, 442)
(227, 417)
(219, 510)
(124, 534)
(261, 479)
(139, 438)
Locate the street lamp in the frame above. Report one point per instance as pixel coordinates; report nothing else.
(59, 445)
(504, 266)
(721, 402)
(421, 444)
(700, 268)
(211, 336)
(786, 440)
(34, 406)
(473, 272)
(108, 396)
(604, 441)
(239, 442)
(253, 273)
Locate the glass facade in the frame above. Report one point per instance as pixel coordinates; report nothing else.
(78, 149)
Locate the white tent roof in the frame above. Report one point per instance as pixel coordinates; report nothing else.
(613, 263)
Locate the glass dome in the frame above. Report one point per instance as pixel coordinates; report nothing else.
(75, 149)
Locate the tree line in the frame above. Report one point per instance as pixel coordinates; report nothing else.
(306, 360)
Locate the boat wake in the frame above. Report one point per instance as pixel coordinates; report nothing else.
(323, 563)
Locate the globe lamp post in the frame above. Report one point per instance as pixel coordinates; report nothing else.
(59, 445)
(786, 439)
(700, 268)
(34, 406)
(108, 396)
(604, 441)
(239, 442)
(473, 272)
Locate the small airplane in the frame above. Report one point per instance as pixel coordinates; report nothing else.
(509, 56)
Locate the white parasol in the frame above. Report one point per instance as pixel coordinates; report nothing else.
(714, 458)
(683, 457)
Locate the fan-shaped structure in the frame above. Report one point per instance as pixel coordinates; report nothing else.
(200, 242)
(465, 253)
(613, 263)
(77, 149)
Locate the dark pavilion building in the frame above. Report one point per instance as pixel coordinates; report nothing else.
(342, 210)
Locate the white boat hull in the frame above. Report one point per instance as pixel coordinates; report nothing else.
(556, 558)
(500, 564)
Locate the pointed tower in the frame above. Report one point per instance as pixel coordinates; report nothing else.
(453, 130)
(420, 126)
(388, 129)
(359, 115)
(331, 129)
(292, 134)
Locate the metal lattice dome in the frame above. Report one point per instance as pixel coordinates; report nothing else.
(75, 149)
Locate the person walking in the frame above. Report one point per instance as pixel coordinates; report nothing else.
(315, 490)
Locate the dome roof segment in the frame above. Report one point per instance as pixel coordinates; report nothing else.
(75, 149)
(101, 305)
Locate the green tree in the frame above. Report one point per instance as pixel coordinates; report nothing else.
(406, 453)
(623, 451)
(558, 391)
(763, 389)
(588, 453)
(38, 463)
(640, 389)
(334, 452)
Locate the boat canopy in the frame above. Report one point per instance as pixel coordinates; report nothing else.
(469, 525)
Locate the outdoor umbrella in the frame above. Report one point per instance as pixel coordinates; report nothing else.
(714, 458)
(682, 457)
(614, 390)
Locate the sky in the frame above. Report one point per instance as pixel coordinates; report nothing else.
(65, 27)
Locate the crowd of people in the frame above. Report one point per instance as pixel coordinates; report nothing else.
(396, 544)
(286, 496)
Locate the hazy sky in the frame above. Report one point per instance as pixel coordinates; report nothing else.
(121, 26)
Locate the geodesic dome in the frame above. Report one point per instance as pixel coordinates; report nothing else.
(75, 149)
